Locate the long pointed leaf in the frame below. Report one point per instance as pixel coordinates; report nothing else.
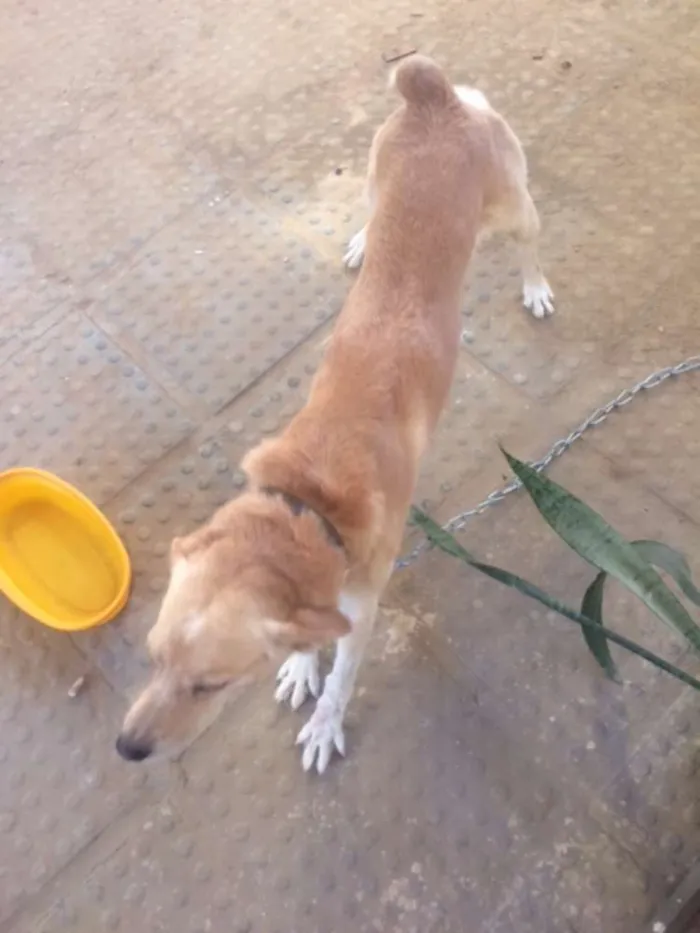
(592, 608)
(587, 533)
(673, 562)
(444, 540)
(656, 553)
(438, 536)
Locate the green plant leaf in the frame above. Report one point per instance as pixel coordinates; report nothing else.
(656, 553)
(438, 536)
(592, 608)
(587, 533)
(446, 542)
(673, 562)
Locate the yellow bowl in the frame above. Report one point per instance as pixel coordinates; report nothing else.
(61, 561)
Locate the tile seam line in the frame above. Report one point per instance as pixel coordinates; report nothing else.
(267, 206)
(534, 400)
(192, 414)
(203, 431)
(119, 263)
(126, 260)
(27, 917)
(642, 483)
(13, 921)
(641, 745)
(110, 271)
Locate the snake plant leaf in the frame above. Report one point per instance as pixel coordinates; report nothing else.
(438, 536)
(592, 608)
(673, 562)
(587, 533)
(656, 553)
(442, 539)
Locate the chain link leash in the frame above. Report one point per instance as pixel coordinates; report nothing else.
(457, 522)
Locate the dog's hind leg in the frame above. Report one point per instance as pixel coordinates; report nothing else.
(538, 297)
(355, 252)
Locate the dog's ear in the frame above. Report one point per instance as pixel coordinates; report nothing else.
(309, 628)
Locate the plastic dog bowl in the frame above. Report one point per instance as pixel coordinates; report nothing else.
(61, 561)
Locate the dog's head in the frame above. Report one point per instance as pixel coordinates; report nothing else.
(257, 583)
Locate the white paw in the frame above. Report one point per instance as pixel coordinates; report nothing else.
(298, 678)
(321, 735)
(356, 250)
(538, 298)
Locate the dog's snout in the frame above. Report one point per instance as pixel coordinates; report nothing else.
(133, 749)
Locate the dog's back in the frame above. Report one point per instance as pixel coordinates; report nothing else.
(428, 162)
(389, 364)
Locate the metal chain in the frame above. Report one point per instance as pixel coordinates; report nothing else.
(457, 522)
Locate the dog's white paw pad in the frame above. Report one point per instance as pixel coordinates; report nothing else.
(298, 678)
(356, 250)
(538, 298)
(321, 736)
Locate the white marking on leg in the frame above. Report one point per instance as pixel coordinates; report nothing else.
(321, 736)
(355, 252)
(298, 678)
(538, 297)
(323, 733)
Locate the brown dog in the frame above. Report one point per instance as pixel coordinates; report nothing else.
(301, 558)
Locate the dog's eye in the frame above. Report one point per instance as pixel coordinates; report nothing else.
(200, 689)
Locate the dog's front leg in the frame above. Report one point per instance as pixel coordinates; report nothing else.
(323, 733)
(298, 678)
(355, 252)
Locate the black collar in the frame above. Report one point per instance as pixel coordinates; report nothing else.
(297, 506)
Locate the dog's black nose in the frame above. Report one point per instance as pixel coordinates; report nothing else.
(133, 749)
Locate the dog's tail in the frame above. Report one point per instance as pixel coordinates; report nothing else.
(422, 83)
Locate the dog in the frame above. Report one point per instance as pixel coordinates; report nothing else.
(300, 559)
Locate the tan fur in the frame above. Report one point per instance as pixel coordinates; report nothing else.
(258, 580)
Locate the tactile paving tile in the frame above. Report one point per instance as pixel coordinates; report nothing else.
(221, 93)
(483, 412)
(652, 803)
(654, 210)
(97, 52)
(219, 88)
(61, 782)
(535, 662)
(544, 799)
(94, 194)
(586, 882)
(499, 331)
(438, 829)
(217, 298)
(73, 403)
(608, 332)
(539, 69)
(659, 441)
(28, 290)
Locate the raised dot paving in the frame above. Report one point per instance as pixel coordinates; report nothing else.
(177, 184)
